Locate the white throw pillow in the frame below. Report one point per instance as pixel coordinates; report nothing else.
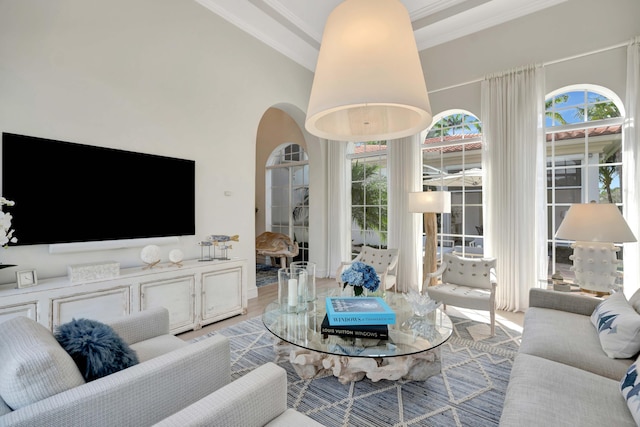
(33, 366)
(630, 389)
(618, 326)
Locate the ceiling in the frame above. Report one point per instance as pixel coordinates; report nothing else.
(294, 27)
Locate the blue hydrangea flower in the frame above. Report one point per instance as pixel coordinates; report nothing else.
(360, 274)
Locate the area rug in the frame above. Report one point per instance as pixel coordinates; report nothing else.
(266, 275)
(469, 392)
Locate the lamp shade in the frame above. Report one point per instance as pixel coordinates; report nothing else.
(430, 201)
(593, 222)
(368, 82)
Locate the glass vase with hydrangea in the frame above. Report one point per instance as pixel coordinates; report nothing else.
(362, 277)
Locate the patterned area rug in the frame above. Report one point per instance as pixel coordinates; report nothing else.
(469, 392)
(266, 275)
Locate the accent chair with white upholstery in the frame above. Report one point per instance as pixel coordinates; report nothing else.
(384, 261)
(466, 282)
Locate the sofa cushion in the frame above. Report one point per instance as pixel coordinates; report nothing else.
(157, 346)
(292, 418)
(630, 388)
(33, 366)
(95, 347)
(568, 338)
(554, 394)
(618, 326)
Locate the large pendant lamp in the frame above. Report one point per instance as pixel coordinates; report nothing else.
(368, 82)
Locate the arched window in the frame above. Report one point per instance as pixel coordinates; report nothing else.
(452, 161)
(287, 194)
(584, 158)
(368, 194)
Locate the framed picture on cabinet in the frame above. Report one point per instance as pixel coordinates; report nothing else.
(26, 278)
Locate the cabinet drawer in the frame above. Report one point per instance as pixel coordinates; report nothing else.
(28, 310)
(100, 306)
(221, 294)
(177, 295)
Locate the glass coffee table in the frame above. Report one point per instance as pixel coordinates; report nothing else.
(411, 352)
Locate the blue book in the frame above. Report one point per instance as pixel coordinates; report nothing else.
(347, 311)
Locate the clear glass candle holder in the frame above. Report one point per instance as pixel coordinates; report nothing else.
(306, 279)
(289, 296)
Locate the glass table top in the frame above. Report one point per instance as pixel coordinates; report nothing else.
(409, 335)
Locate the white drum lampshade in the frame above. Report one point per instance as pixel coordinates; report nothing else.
(368, 82)
(595, 227)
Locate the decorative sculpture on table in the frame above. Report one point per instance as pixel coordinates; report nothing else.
(175, 258)
(205, 244)
(150, 255)
(221, 241)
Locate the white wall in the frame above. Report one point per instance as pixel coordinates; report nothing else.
(161, 76)
(570, 29)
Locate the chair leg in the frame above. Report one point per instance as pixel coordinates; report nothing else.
(492, 315)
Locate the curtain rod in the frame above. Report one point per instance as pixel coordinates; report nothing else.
(556, 61)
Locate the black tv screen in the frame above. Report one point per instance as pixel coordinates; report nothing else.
(66, 192)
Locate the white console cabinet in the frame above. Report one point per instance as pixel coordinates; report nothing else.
(196, 294)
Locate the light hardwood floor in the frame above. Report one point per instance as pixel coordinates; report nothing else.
(269, 293)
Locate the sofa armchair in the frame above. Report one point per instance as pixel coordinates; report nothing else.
(562, 375)
(257, 399)
(171, 375)
(466, 282)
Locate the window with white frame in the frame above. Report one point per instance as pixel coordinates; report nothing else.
(584, 159)
(368, 194)
(452, 161)
(288, 195)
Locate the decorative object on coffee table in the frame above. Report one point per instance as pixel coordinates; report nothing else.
(361, 276)
(175, 258)
(150, 255)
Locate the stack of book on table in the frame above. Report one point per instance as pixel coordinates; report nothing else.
(357, 317)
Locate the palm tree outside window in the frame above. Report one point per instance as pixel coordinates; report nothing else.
(584, 159)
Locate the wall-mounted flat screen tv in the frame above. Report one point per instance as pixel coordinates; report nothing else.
(67, 192)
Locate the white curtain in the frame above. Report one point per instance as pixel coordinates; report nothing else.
(514, 164)
(631, 168)
(404, 162)
(338, 206)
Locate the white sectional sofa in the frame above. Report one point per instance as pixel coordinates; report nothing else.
(40, 385)
(561, 375)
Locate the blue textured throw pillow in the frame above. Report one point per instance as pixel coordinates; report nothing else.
(95, 347)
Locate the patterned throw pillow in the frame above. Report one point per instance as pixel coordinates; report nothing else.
(618, 326)
(630, 388)
(95, 347)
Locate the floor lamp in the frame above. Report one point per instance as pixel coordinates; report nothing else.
(595, 227)
(429, 203)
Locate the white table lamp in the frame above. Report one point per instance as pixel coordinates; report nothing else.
(429, 203)
(595, 227)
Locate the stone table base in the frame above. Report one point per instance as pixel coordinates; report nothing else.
(311, 364)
